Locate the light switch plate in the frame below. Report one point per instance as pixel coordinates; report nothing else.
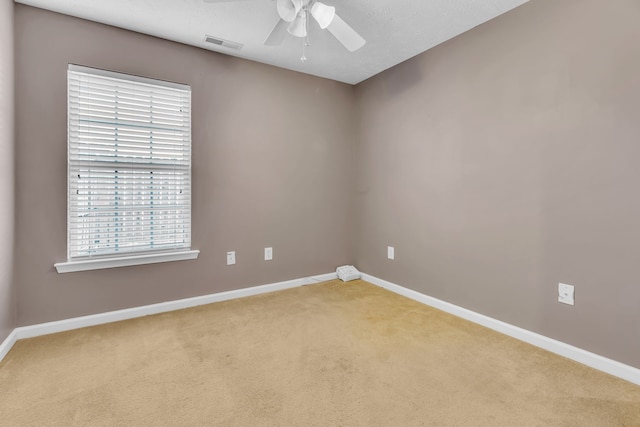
(391, 252)
(268, 254)
(565, 293)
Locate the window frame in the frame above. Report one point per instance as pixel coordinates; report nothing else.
(128, 257)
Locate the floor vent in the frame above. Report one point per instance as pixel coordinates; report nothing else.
(222, 42)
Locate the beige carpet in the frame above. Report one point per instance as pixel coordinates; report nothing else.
(331, 354)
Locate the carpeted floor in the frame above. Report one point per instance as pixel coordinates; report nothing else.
(331, 354)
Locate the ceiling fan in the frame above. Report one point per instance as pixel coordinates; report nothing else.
(294, 18)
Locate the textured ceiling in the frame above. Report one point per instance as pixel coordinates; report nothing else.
(395, 30)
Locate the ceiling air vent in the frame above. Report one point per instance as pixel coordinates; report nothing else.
(222, 42)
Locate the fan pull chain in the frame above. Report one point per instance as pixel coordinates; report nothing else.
(305, 39)
(303, 58)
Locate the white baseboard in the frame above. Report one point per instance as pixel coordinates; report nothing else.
(592, 360)
(6, 345)
(130, 313)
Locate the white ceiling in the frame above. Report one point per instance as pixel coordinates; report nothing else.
(395, 30)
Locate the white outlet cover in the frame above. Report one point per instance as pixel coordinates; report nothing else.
(268, 254)
(566, 293)
(391, 252)
(231, 258)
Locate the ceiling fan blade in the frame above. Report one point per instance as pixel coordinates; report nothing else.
(277, 35)
(345, 34)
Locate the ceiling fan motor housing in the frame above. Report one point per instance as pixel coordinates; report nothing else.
(289, 9)
(295, 14)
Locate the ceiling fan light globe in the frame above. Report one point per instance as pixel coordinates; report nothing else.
(323, 14)
(298, 27)
(288, 9)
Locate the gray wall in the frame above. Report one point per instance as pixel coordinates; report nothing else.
(506, 161)
(7, 296)
(271, 166)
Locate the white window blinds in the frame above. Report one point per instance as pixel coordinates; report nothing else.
(129, 158)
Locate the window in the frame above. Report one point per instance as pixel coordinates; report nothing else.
(129, 170)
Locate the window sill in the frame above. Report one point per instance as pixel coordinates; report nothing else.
(124, 261)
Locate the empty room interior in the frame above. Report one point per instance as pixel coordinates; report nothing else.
(475, 161)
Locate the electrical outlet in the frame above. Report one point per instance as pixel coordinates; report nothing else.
(268, 254)
(565, 293)
(391, 252)
(231, 258)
